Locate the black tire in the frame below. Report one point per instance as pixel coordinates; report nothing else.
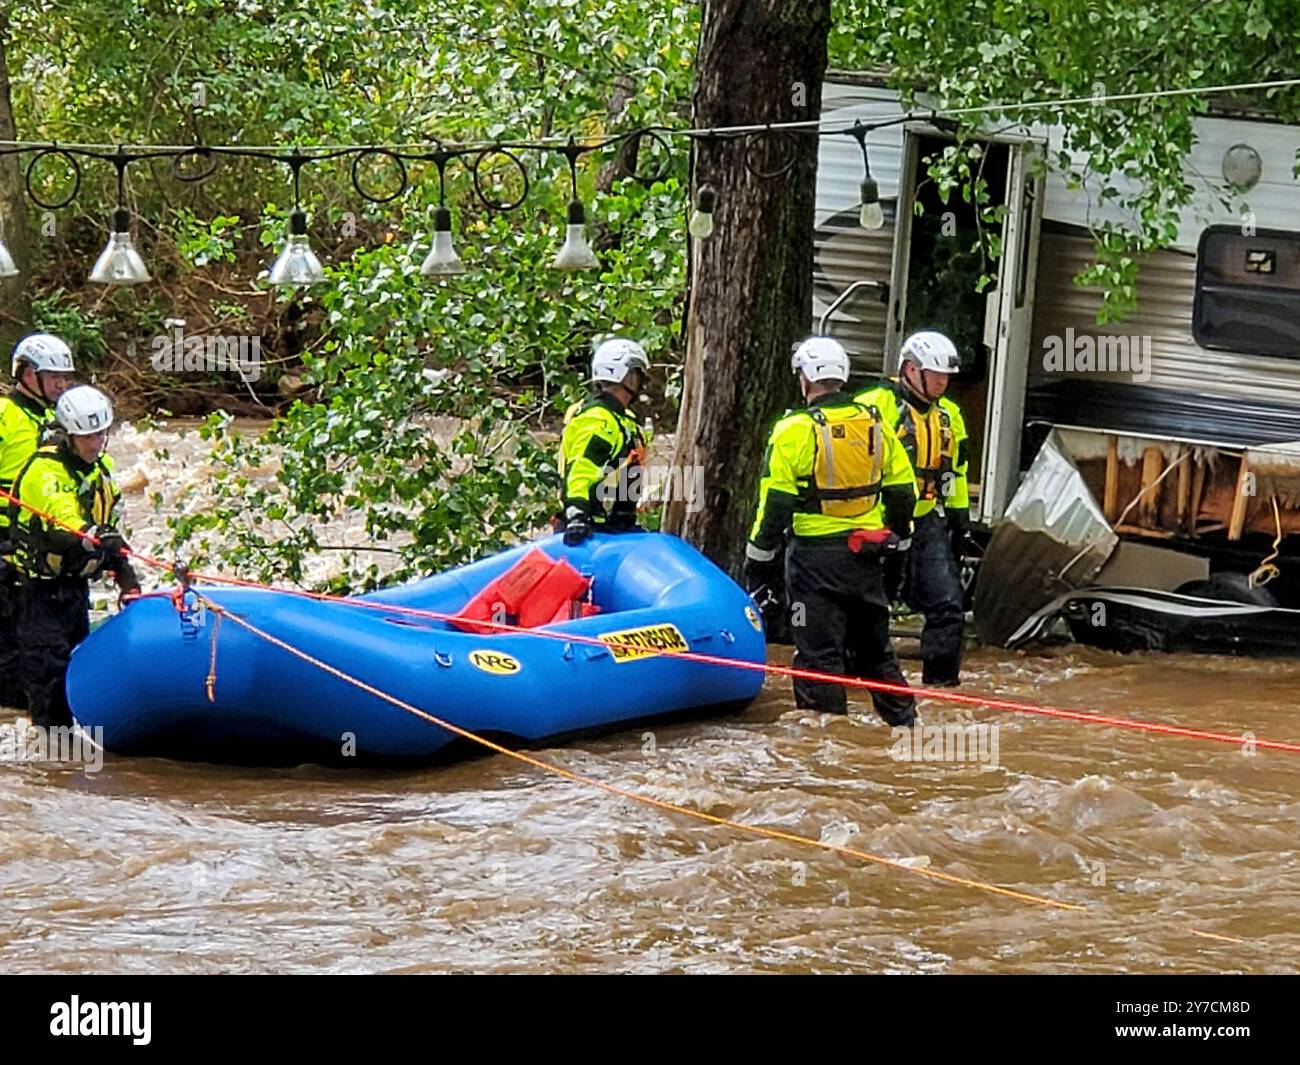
(1229, 587)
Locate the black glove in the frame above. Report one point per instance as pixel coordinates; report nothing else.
(128, 584)
(757, 575)
(964, 545)
(111, 546)
(576, 531)
(894, 544)
(959, 534)
(895, 571)
(893, 557)
(762, 579)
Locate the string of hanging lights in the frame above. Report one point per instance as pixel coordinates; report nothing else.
(297, 265)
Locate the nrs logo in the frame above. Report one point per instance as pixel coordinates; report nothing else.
(494, 662)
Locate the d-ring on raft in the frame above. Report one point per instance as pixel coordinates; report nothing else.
(142, 675)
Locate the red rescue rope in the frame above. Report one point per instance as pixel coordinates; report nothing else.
(942, 694)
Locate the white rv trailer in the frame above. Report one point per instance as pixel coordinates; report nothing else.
(1204, 375)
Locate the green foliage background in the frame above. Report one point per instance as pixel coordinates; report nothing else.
(383, 357)
(387, 357)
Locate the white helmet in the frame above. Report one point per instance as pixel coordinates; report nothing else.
(931, 351)
(42, 352)
(615, 358)
(83, 410)
(821, 359)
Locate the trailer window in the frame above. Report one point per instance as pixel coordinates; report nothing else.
(1248, 291)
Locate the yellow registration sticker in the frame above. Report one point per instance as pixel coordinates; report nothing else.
(642, 643)
(494, 662)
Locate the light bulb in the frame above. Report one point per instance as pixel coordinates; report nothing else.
(442, 259)
(701, 224)
(119, 263)
(872, 216)
(8, 268)
(297, 263)
(576, 253)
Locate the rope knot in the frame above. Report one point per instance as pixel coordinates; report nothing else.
(181, 572)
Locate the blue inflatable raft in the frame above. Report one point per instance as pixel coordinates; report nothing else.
(141, 675)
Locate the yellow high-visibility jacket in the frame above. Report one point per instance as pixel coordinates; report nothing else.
(601, 444)
(77, 495)
(829, 469)
(22, 420)
(936, 442)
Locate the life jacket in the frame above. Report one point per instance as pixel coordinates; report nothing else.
(48, 474)
(23, 418)
(628, 453)
(931, 444)
(849, 456)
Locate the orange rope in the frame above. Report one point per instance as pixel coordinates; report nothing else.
(210, 682)
(661, 804)
(623, 793)
(756, 830)
(942, 694)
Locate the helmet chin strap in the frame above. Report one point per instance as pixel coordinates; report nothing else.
(915, 389)
(38, 392)
(622, 390)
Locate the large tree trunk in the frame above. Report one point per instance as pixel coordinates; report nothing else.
(751, 281)
(14, 223)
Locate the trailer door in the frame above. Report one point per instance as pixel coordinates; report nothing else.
(900, 267)
(1011, 311)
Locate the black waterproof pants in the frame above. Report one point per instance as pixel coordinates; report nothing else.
(934, 590)
(52, 618)
(11, 692)
(840, 619)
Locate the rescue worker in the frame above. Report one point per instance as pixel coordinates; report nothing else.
(42, 371)
(603, 449)
(834, 475)
(931, 428)
(68, 485)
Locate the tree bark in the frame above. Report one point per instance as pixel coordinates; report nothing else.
(15, 225)
(751, 281)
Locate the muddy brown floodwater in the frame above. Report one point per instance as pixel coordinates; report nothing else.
(1183, 853)
(489, 865)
